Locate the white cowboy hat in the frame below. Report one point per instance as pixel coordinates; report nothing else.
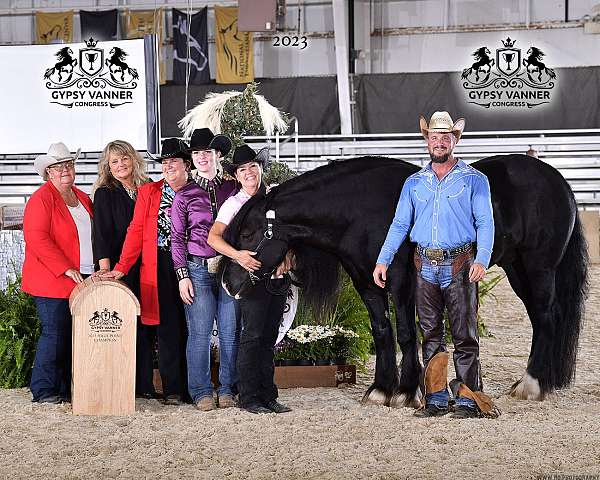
(442, 122)
(57, 153)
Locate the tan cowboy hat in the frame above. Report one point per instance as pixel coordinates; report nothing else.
(57, 153)
(442, 122)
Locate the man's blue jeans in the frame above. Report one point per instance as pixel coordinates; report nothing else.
(210, 300)
(51, 374)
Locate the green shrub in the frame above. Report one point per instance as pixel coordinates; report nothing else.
(278, 172)
(19, 331)
(349, 313)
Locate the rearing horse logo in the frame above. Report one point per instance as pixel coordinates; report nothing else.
(116, 65)
(483, 64)
(533, 63)
(230, 34)
(65, 65)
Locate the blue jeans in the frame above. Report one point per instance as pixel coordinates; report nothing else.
(440, 274)
(51, 374)
(210, 300)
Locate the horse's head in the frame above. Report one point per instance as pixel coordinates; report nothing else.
(534, 52)
(482, 53)
(64, 52)
(116, 52)
(254, 228)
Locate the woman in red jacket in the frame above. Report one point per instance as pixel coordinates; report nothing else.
(57, 226)
(149, 235)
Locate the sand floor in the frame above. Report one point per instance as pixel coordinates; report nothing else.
(330, 434)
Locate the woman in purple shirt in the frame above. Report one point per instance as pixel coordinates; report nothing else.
(193, 213)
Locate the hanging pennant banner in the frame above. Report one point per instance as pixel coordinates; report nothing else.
(198, 37)
(235, 57)
(54, 27)
(99, 25)
(140, 23)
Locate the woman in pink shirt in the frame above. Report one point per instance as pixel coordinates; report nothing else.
(261, 310)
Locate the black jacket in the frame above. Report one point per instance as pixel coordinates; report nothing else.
(113, 211)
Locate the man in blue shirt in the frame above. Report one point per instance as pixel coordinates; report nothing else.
(446, 209)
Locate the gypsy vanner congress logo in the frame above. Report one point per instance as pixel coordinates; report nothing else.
(105, 321)
(88, 79)
(506, 79)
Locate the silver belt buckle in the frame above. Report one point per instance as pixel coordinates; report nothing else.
(434, 255)
(212, 264)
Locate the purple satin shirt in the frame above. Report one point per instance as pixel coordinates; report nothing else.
(193, 213)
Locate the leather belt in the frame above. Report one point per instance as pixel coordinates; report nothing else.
(203, 261)
(439, 254)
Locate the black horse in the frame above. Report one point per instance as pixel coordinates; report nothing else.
(340, 214)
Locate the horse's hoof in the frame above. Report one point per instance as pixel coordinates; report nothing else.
(375, 397)
(406, 400)
(527, 388)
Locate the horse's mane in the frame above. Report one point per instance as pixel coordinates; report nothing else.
(480, 53)
(121, 54)
(63, 53)
(536, 52)
(316, 270)
(330, 174)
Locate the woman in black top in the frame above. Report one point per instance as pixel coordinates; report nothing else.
(121, 170)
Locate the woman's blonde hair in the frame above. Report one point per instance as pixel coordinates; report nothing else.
(120, 147)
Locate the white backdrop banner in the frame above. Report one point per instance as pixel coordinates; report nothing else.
(82, 94)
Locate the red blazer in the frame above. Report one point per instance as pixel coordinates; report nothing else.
(142, 238)
(51, 243)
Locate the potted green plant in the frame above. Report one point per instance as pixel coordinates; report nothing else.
(19, 331)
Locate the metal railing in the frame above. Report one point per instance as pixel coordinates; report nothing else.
(574, 152)
(280, 141)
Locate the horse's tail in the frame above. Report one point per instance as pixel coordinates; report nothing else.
(318, 273)
(550, 72)
(571, 291)
(133, 72)
(466, 72)
(49, 72)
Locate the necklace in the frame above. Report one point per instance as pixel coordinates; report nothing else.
(132, 192)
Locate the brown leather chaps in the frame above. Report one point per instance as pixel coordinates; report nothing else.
(461, 300)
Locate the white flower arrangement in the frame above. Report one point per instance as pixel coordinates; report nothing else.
(313, 333)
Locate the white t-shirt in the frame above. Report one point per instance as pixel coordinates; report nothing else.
(83, 222)
(231, 206)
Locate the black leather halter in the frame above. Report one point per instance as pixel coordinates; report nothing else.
(254, 278)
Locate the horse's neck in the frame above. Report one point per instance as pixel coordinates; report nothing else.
(305, 211)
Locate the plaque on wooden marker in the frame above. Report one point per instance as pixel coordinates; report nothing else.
(104, 329)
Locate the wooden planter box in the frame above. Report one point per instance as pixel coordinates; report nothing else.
(296, 376)
(314, 376)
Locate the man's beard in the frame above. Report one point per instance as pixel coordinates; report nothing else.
(441, 159)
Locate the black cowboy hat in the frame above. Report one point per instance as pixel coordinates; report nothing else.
(245, 154)
(172, 148)
(205, 139)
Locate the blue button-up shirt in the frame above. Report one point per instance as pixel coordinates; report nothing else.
(443, 213)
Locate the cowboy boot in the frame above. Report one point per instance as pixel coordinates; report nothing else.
(435, 381)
